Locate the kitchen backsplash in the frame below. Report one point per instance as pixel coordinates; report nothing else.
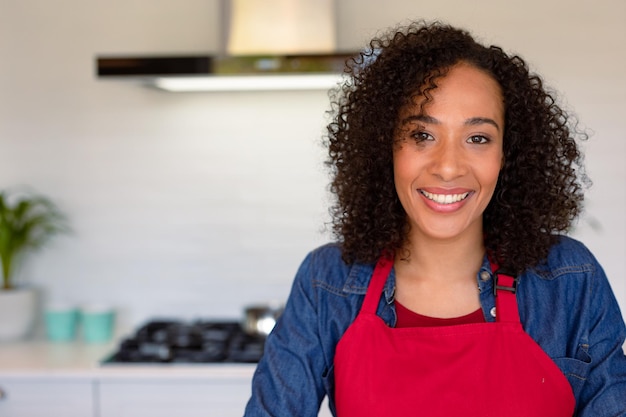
(199, 204)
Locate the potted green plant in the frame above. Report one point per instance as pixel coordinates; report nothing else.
(27, 221)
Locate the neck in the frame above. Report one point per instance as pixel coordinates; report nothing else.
(450, 260)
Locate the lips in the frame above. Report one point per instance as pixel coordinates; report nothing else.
(447, 198)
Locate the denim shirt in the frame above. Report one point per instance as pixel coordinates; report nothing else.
(566, 305)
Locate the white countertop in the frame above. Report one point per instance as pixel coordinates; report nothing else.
(40, 358)
(38, 363)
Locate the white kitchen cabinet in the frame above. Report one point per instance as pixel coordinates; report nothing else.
(40, 379)
(166, 398)
(46, 397)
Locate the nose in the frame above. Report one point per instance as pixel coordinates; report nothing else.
(448, 161)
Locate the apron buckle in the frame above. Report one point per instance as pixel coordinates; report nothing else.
(509, 284)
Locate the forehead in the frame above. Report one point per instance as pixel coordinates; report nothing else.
(464, 87)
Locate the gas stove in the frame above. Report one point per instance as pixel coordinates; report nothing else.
(176, 341)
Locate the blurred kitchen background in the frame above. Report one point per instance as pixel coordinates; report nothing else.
(197, 204)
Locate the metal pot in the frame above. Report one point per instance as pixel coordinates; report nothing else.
(259, 319)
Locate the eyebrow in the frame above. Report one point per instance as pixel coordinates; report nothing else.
(472, 121)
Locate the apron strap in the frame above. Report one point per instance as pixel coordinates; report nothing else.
(377, 283)
(505, 290)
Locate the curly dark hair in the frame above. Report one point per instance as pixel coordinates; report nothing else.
(538, 194)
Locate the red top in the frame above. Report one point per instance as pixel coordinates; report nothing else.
(408, 318)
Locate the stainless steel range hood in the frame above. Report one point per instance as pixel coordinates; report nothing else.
(227, 73)
(271, 45)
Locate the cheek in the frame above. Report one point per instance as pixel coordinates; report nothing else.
(400, 169)
(490, 172)
(404, 163)
(403, 175)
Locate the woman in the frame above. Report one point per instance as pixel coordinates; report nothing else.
(450, 290)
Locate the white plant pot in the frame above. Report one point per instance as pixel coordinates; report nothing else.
(18, 309)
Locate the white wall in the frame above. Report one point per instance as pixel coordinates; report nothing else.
(194, 205)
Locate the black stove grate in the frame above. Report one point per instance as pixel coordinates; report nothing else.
(175, 341)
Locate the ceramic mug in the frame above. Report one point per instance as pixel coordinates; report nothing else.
(61, 322)
(97, 323)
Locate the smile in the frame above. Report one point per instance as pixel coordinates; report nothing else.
(444, 198)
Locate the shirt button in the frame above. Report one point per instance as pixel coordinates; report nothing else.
(493, 312)
(485, 276)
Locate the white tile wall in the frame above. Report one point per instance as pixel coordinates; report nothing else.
(196, 204)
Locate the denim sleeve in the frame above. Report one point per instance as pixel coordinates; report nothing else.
(604, 390)
(288, 380)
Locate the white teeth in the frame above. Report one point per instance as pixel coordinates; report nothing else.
(444, 198)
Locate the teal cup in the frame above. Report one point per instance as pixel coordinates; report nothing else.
(97, 324)
(61, 323)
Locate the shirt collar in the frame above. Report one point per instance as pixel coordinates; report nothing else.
(360, 276)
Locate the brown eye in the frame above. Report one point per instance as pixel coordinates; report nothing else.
(421, 136)
(477, 139)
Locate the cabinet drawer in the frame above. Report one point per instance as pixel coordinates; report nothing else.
(46, 398)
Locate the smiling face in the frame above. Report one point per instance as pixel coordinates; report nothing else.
(448, 155)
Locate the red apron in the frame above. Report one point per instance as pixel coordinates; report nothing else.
(482, 369)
